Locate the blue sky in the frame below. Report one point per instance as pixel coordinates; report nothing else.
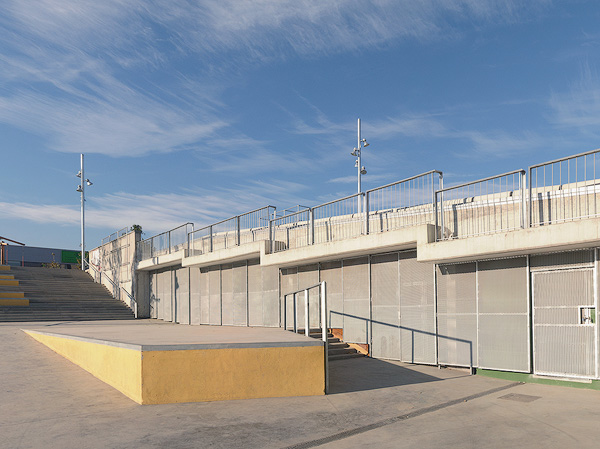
(199, 110)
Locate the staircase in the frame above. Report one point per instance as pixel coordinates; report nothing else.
(336, 348)
(57, 294)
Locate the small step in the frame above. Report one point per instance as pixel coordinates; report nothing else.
(12, 295)
(7, 276)
(4, 267)
(14, 302)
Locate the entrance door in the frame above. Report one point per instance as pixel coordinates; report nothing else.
(564, 322)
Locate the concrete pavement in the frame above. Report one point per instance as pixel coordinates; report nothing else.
(46, 401)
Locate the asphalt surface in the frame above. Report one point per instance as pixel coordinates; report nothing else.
(48, 402)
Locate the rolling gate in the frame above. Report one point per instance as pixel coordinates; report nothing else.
(482, 314)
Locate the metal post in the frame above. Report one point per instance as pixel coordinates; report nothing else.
(529, 200)
(306, 314)
(324, 333)
(358, 147)
(311, 214)
(238, 230)
(441, 208)
(295, 314)
(211, 239)
(523, 203)
(367, 213)
(285, 312)
(82, 216)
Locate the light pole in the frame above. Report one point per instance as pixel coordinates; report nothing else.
(81, 189)
(362, 143)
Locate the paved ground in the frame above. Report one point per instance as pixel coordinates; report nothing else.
(47, 402)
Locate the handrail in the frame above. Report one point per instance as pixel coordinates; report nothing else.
(566, 158)
(489, 178)
(170, 230)
(135, 304)
(235, 216)
(323, 319)
(430, 172)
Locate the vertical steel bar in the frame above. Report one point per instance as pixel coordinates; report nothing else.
(295, 314)
(324, 332)
(306, 314)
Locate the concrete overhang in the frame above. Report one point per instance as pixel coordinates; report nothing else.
(246, 251)
(405, 238)
(540, 239)
(165, 260)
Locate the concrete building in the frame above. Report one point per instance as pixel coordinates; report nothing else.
(497, 274)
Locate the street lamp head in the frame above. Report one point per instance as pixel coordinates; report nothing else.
(79, 189)
(78, 174)
(354, 153)
(363, 171)
(366, 144)
(88, 182)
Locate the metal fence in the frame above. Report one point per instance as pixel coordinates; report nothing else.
(489, 205)
(245, 228)
(404, 203)
(564, 189)
(338, 220)
(165, 243)
(115, 235)
(290, 231)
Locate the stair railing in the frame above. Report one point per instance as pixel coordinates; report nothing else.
(117, 288)
(322, 318)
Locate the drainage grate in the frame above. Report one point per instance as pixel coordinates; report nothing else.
(519, 397)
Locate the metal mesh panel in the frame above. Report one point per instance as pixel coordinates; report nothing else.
(457, 319)
(181, 291)
(255, 296)
(204, 296)
(240, 294)
(307, 277)
(270, 279)
(214, 275)
(195, 295)
(417, 324)
(385, 296)
(227, 295)
(289, 283)
(166, 297)
(562, 345)
(355, 274)
(503, 316)
(154, 294)
(331, 273)
(561, 260)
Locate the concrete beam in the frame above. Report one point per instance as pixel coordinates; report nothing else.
(540, 239)
(165, 260)
(246, 251)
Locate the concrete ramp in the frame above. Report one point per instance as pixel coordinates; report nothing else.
(160, 363)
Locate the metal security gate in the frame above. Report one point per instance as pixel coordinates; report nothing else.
(564, 319)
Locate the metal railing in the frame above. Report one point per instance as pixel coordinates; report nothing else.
(115, 235)
(409, 202)
(167, 242)
(290, 231)
(485, 206)
(564, 189)
(338, 220)
(116, 288)
(245, 228)
(322, 326)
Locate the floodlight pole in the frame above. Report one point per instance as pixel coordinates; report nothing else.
(82, 215)
(359, 168)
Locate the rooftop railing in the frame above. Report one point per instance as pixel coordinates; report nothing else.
(115, 235)
(564, 189)
(404, 203)
(245, 228)
(485, 206)
(167, 242)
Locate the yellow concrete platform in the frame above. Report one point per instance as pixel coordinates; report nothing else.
(9, 282)
(4, 267)
(12, 295)
(158, 364)
(14, 302)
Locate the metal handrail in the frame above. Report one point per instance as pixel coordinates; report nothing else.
(166, 232)
(339, 199)
(566, 158)
(118, 287)
(489, 178)
(231, 218)
(323, 319)
(404, 180)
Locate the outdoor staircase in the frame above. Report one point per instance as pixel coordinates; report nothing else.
(336, 348)
(57, 294)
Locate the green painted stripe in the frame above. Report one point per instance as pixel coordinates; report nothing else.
(529, 378)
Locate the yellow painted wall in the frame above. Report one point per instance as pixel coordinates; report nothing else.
(236, 373)
(119, 367)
